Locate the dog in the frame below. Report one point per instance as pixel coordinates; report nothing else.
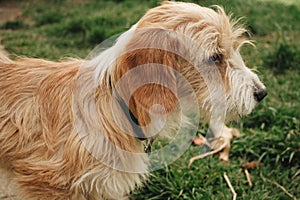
(80, 129)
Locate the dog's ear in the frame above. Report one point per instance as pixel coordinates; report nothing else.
(146, 73)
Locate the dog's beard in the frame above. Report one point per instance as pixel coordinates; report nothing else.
(240, 99)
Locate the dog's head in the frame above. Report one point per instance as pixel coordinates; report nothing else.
(177, 41)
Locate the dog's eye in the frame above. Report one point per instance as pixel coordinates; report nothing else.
(215, 58)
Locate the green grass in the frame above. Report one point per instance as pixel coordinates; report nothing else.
(271, 134)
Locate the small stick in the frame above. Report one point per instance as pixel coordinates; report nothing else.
(207, 154)
(279, 186)
(230, 186)
(248, 177)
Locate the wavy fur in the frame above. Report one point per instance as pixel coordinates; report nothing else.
(63, 134)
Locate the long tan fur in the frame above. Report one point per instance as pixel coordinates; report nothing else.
(38, 141)
(63, 134)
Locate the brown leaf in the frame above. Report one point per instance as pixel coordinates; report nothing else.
(251, 165)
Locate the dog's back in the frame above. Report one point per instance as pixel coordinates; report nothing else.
(38, 140)
(30, 127)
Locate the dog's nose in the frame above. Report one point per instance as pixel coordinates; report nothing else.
(259, 94)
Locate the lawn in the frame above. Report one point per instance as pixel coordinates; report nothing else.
(270, 135)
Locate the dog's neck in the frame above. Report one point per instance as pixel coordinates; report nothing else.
(104, 67)
(135, 125)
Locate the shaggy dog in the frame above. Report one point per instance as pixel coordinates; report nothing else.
(79, 129)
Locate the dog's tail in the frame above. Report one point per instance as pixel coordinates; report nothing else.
(4, 56)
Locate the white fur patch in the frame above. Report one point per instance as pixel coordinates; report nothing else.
(106, 59)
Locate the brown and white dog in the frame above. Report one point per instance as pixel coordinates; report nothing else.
(77, 129)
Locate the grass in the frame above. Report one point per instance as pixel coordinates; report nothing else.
(271, 134)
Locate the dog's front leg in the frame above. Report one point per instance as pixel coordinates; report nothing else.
(226, 135)
(220, 143)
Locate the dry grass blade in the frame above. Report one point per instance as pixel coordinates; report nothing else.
(230, 186)
(248, 177)
(279, 186)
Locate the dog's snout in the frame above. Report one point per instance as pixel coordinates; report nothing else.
(259, 94)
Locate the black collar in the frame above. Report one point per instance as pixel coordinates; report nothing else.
(135, 125)
(138, 132)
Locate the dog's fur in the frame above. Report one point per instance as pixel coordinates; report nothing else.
(60, 135)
